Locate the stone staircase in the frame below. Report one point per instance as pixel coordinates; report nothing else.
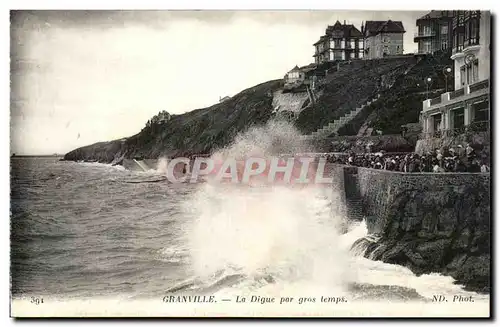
(310, 93)
(334, 126)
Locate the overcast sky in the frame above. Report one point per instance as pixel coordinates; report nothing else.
(82, 77)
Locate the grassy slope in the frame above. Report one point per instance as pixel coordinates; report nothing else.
(351, 87)
(402, 103)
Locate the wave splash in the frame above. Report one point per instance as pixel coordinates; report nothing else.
(279, 240)
(273, 232)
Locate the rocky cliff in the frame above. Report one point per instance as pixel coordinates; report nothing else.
(430, 222)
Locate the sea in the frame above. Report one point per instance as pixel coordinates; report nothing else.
(93, 239)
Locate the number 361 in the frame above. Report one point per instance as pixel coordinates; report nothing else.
(36, 300)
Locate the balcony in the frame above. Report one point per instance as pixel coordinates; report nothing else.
(479, 85)
(435, 101)
(456, 50)
(468, 92)
(422, 34)
(471, 42)
(457, 93)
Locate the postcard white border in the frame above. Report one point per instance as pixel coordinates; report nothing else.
(185, 4)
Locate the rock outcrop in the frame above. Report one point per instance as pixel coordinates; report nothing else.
(430, 222)
(106, 152)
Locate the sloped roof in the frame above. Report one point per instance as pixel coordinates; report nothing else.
(437, 14)
(374, 27)
(308, 67)
(295, 69)
(321, 39)
(348, 30)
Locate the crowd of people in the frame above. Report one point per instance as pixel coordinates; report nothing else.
(459, 159)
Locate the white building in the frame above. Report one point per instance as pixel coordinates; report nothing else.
(468, 106)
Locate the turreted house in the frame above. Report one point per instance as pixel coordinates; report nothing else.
(340, 42)
(383, 38)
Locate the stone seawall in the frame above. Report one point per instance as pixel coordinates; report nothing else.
(345, 187)
(430, 222)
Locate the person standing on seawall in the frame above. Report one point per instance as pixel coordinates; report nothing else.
(484, 167)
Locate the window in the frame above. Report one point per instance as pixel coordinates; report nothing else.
(437, 122)
(427, 46)
(475, 70)
(474, 31)
(337, 55)
(462, 75)
(398, 50)
(385, 51)
(460, 41)
(467, 29)
(481, 111)
(458, 117)
(444, 44)
(444, 29)
(351, 55)
(468, 73)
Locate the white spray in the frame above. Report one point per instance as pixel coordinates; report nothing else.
(291, 234)
(162, 165)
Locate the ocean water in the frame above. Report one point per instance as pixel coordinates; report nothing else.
(83, 231)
